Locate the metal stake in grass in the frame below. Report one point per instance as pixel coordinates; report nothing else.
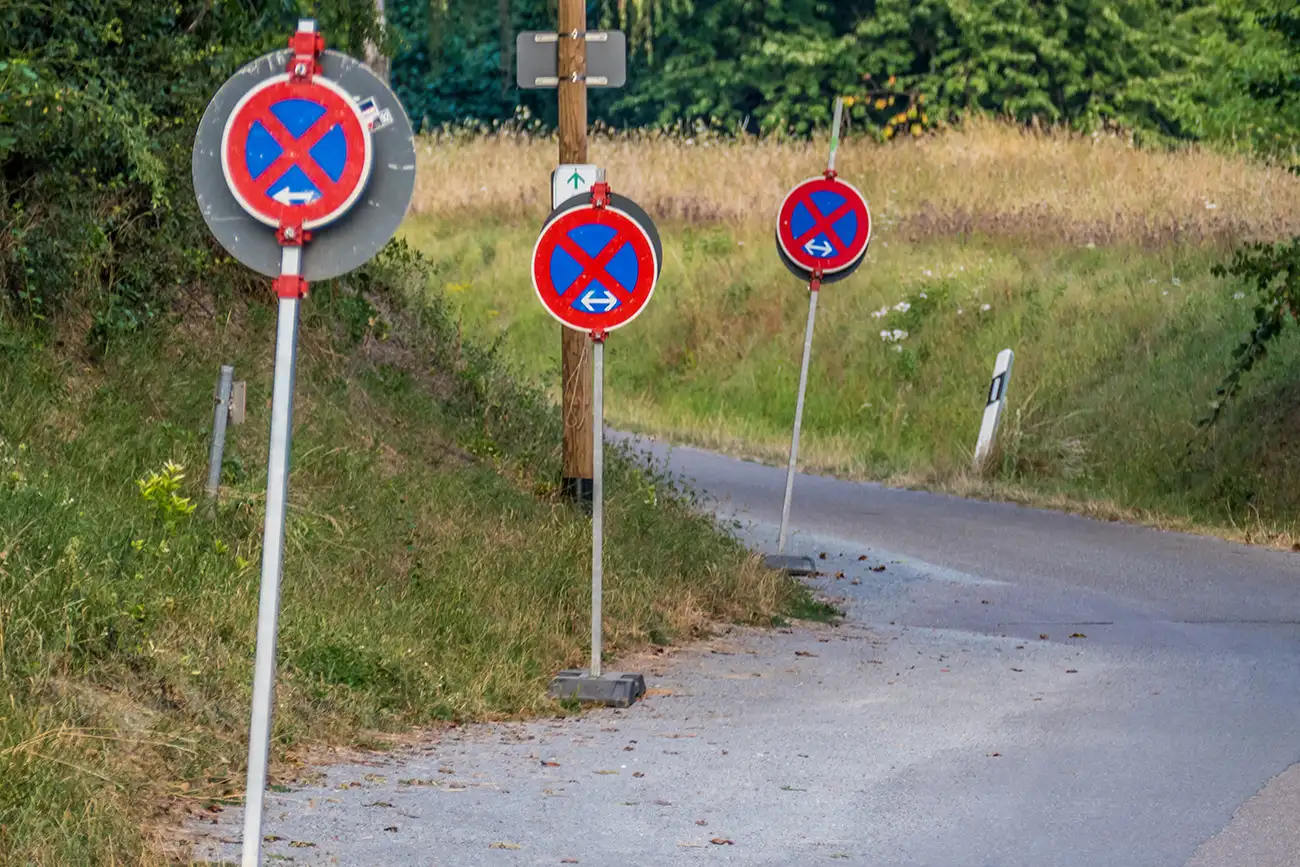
(220, 415)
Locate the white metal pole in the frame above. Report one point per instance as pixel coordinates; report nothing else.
(268, 607)
(220, 414)
(835, 133)
(597, 497)
(798, 418)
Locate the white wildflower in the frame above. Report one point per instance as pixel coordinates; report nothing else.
(898, 347)
(986, 307)
(923, 295)
(1210, 206)
(1176, 281)
(1237, 296)
(902, 307)
(960, 311)
(927, 272)
(881, 313)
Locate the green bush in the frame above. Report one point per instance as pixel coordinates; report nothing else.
(99, 102)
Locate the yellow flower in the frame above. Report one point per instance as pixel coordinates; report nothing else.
(916, 129)
(880, 103)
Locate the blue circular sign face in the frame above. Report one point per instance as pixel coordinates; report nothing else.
(296, 152)
(594, 269)
(356, 235)
(824, 225)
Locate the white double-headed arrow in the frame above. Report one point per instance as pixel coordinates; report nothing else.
(592, 298)
(823, 250)
(287, 197)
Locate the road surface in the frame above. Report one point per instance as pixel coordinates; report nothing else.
(1014, 688)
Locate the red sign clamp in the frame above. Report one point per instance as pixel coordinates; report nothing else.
(307, 44)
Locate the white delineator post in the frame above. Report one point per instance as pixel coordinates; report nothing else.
(814, 290)
(597, 496)
(996, 402)
(290, 288)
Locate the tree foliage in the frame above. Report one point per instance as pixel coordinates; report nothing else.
(1166, 69)
(99, 101)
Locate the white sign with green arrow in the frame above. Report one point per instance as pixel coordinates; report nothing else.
(571, 180)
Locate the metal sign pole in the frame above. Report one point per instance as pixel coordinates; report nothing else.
(835, 135)
(597, 495)
(814, 287)
(813, 292)
(268, 606)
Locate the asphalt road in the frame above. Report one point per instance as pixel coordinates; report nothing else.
(1014, 688)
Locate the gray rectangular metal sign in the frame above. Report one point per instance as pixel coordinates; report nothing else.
(538, 64)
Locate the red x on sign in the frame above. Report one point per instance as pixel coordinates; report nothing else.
(296, 153)
(824, 225)
(594, 269)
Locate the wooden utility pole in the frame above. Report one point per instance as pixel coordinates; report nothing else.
(575, 402)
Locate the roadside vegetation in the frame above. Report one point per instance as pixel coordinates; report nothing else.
(432, 574)
(1092, 258)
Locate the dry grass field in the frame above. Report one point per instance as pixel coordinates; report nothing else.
(1090, 257)
(987, 178)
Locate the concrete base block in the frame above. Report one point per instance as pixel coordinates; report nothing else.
(615, 689)
(791, 564)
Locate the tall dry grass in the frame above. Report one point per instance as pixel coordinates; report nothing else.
(986, 177)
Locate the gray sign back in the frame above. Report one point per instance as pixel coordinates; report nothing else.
(355, 237)
(605, 59)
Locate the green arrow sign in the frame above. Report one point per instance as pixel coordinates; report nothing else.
(576, 180)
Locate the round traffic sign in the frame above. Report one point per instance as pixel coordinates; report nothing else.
(594, 269)
(353, 238)
(824, 225)
(296, 152)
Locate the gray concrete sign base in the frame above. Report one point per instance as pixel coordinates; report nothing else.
(613, 689)
(792, 565)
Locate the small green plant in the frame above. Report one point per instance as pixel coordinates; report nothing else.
(161, 490)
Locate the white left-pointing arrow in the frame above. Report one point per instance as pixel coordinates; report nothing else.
(287, 197)
(592, 298)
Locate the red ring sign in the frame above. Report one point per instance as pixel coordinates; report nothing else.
(296, 152)
(824, 225)
(594, 269)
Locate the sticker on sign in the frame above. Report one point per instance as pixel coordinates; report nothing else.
(571, 180)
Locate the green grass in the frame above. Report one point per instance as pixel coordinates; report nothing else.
(431, 572)
(1118, 352)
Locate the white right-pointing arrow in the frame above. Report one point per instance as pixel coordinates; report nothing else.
(287, 197)
(824, 250)
(592, 298)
